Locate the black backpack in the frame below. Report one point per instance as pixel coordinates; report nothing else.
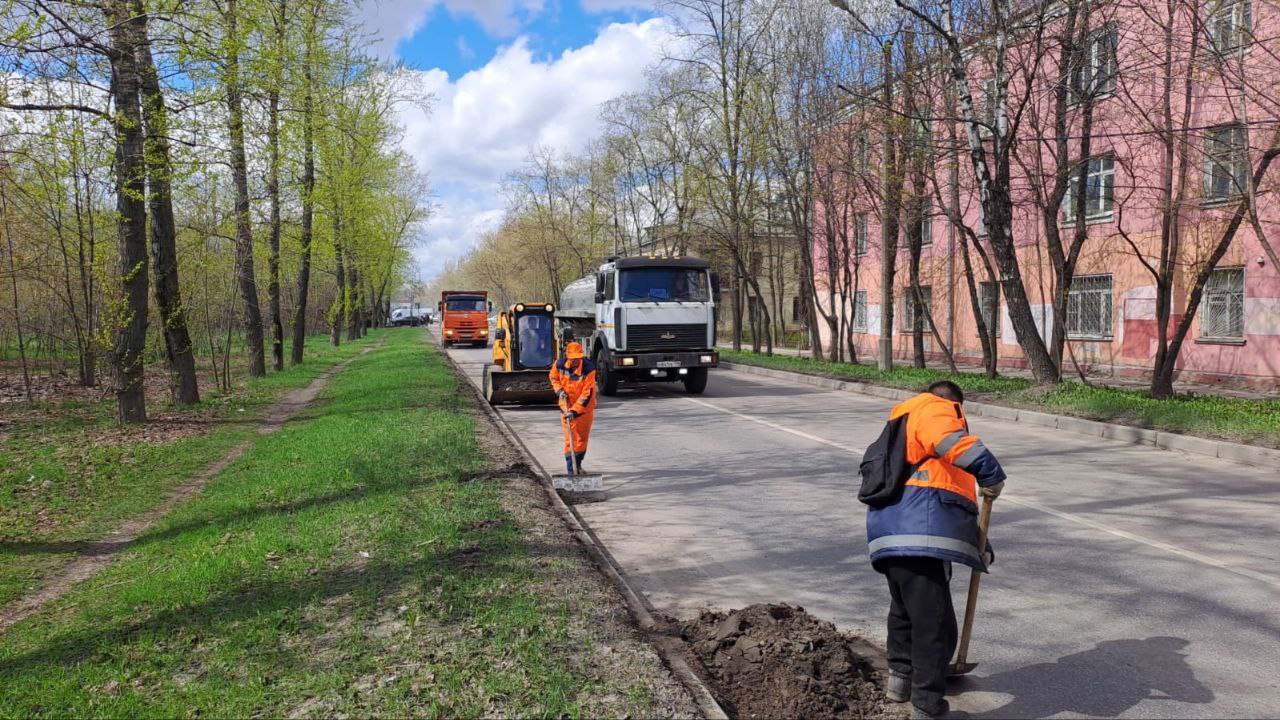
(884, 467)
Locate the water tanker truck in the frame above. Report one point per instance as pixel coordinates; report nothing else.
(646, 319)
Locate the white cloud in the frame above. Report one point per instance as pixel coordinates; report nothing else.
(598, 7)
(395, 20)
(485, 123)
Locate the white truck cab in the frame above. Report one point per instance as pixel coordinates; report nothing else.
(646, 319)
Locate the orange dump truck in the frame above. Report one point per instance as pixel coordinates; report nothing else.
(464, 317)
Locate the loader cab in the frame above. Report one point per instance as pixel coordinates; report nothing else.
(525, 337)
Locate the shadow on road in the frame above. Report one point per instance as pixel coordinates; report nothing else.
(1119, 674)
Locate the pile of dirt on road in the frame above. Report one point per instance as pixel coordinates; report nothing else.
(776, 661)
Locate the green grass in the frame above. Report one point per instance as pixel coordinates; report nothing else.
(357, 562)
(67, 475)
(1235, 419)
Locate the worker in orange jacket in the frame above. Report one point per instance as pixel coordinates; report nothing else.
(574, 379)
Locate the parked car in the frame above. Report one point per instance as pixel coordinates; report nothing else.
(402, 317)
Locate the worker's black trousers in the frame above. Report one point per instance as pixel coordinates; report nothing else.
(922, 626)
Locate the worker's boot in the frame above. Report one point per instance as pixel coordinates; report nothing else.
(580, 456)
(898, 688)
(942, 712)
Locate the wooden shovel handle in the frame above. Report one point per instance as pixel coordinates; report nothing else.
(971, 603)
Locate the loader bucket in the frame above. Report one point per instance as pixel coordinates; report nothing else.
(519, 386)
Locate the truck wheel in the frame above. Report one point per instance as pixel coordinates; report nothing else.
(696, 381)
(606, 378)
(447, 344)
(483, 344)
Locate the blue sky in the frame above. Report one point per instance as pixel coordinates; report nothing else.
(507, 76)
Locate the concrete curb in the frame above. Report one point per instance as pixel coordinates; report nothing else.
(1232, 452)
(669, 648)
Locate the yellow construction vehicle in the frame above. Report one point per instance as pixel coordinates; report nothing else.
(524, 348)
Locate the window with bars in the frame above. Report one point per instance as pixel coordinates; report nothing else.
(859, 323)
(909, 308)
(926, 222)
(1226, 170)
(989, 305)
(1089, 307)
(1099, 191)
(860, 234)
(1095, 73)
(1230, 28)
(1223, 315)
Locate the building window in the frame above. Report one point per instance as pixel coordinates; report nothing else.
(860, 234)
(1226, 172)
(926, 222)
(989, 305)
(859, 323)
(909, 309)
(1231, 26)
(1223, 316)
(1099, 191)
(989, 102)
(862, 151)
(1095, 75)
(1089, 307)
(795, 309)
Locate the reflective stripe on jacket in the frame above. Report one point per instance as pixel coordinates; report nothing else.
(937, 513)
(577, 379)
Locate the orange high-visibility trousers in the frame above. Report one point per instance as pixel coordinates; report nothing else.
(578, 433)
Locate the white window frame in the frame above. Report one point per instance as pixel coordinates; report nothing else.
(859, 321)
(1223, 293)
(1089, 295)
(908, 319)
(1099, 69)
(1226, 163)
(1100, 187)
(926, 222)
(1230, 27)
(860, 241)
(990, 310)
(989, 91)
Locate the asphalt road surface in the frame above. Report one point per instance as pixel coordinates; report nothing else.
(1129, 581)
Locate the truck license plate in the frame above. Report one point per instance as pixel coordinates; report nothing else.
(668, 363)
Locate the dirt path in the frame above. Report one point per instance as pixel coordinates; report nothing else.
(95, 555)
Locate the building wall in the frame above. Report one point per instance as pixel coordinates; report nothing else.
(1246, 91)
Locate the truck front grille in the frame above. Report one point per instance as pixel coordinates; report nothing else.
(667, 337)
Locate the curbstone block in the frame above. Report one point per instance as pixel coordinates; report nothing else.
(1126, 433)
(993, 411)
(1038, 418)
(1187, 443)
(1248, 454)
(1080, 425)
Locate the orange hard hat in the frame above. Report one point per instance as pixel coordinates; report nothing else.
(574, 350)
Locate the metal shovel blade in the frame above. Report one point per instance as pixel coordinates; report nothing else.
(961, 668)
(586, 482)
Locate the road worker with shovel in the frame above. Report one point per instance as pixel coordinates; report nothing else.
(574, 379)
(918, 528)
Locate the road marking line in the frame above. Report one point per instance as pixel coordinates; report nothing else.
(1070, 517)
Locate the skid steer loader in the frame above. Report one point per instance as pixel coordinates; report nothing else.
(525, 347)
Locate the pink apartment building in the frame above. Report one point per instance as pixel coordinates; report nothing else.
(1220, 75)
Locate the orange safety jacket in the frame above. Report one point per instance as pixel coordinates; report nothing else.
(577, 380)
(936, 516)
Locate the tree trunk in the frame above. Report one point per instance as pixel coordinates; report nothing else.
(308, 196)
(338, 312)
(273, 190)
(129, 334)
(891, 206)
(245, 277)
(179, 351)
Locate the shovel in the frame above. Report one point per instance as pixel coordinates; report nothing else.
(962, 666)
(578, 481)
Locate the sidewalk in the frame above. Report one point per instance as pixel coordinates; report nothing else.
(1100, 380)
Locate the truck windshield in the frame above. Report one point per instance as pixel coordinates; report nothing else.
(466, 305)
(537, 341)
(664, 285)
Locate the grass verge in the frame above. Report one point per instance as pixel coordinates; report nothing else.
(357, 562)
(68, 474)
(1255, 422)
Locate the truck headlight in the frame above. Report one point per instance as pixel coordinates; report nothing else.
(448, 332)
(484, 332)
(628, 361)
(708, 359)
